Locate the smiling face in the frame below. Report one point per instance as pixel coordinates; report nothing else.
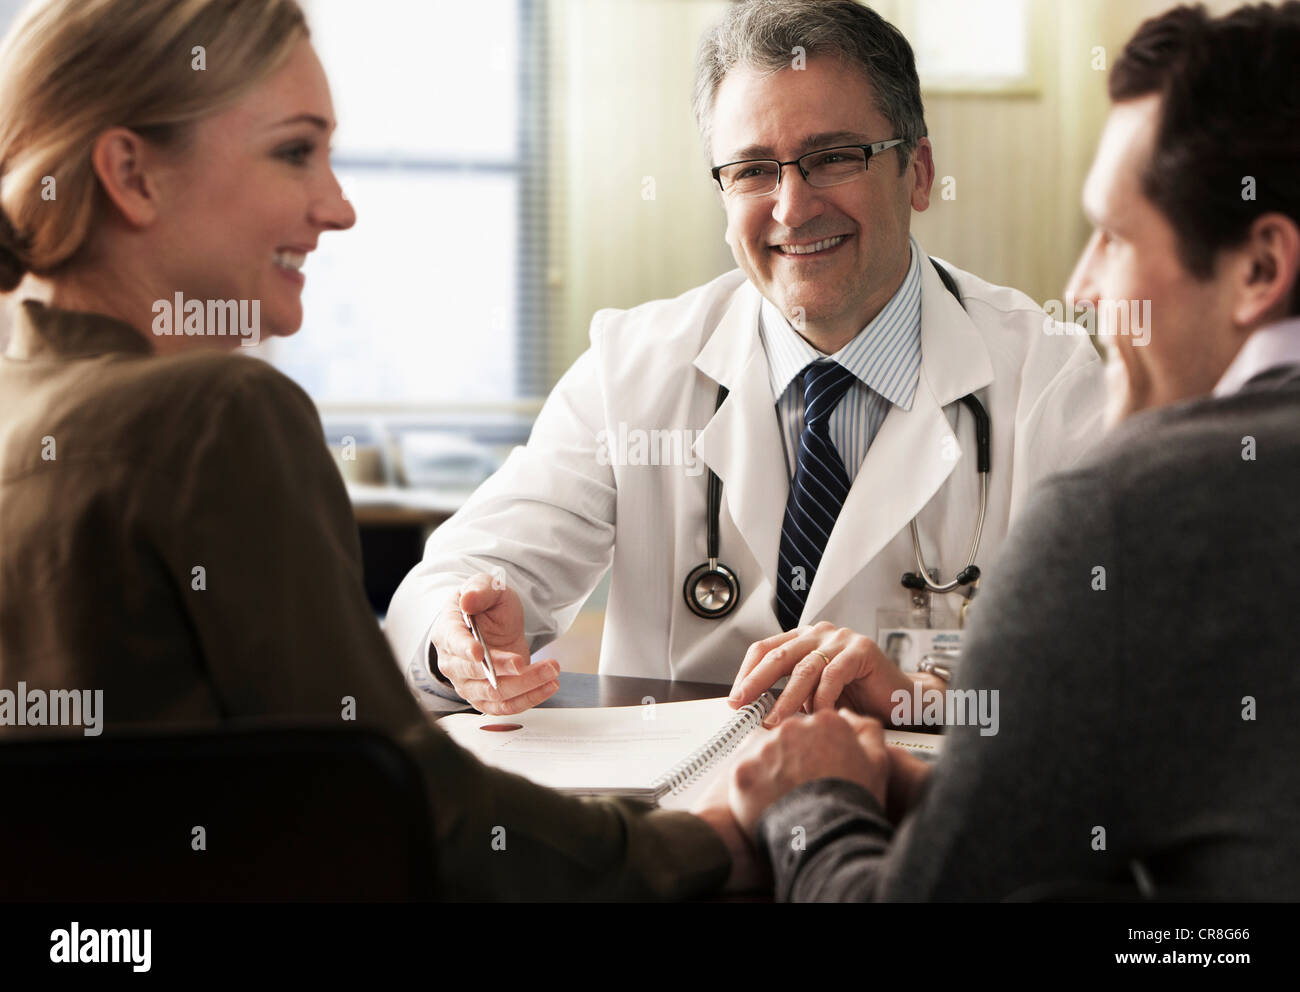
(1133, 256)
(249, 194)
(831, 256)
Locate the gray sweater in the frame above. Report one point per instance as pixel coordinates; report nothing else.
(1148, 729)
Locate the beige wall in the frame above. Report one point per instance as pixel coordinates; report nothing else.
(621, 77)
(621, 80)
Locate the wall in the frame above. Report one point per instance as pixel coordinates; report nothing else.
(621, 78)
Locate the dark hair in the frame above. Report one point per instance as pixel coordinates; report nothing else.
(12, 266)
(763, 34)
(1229, 109)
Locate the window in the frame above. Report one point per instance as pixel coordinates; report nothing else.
(434, 298)
(971, 46)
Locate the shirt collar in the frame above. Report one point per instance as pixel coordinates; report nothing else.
(43, 331)
(1267, 348)
(885, 355)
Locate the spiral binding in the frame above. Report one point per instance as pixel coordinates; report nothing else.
(718, 746)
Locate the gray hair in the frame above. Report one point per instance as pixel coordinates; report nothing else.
(765, 34)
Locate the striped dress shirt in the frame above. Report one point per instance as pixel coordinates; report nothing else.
(884, 357)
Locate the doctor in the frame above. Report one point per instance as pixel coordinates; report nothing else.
(822, 383)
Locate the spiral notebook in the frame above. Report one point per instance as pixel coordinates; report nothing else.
(664, 753)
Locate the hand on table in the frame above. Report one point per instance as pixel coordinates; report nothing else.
(828, 744)
(521, 684)
(828, 666)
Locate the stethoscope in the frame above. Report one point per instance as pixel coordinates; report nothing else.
(712, 590)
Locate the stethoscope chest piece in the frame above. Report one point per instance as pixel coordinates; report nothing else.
(711, 590)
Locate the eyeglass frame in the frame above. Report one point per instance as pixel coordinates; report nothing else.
(871, 150)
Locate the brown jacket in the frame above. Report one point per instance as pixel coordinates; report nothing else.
(174, 532)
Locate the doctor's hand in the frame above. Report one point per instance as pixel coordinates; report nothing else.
(828, 744)
(499, 614)
(828, 666)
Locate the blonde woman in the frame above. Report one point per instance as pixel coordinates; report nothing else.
(172, 528)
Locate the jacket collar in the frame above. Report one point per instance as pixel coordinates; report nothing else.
(1268, 349)
(954, 358)
(41, 331)
(1277, 377)
(742, 442)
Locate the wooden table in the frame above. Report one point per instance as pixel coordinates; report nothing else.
(579, 690)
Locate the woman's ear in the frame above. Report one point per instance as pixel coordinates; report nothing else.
(1270, 264)
(121, 160)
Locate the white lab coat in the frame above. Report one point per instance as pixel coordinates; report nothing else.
(555, 518)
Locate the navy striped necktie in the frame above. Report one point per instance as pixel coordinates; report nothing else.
(817, 492)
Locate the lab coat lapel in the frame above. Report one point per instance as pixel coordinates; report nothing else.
(742, 442)
(915, 450)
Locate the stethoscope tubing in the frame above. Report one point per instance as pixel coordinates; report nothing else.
(952, 585)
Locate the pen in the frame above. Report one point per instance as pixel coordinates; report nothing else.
(487, 655)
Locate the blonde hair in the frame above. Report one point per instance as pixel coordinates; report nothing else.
(71, 69)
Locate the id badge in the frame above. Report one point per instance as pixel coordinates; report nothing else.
(904, 638)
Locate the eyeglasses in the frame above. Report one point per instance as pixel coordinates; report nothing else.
(822, 168)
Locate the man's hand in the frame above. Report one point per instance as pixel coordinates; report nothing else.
(849, 670)
(825, 745)
(500, 618)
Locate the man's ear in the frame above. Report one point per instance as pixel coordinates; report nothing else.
(1270, 261)
(922, 174)
(121, 160)
(922, 168)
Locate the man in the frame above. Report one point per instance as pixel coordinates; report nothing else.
(1140, 622)
(844, 360)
